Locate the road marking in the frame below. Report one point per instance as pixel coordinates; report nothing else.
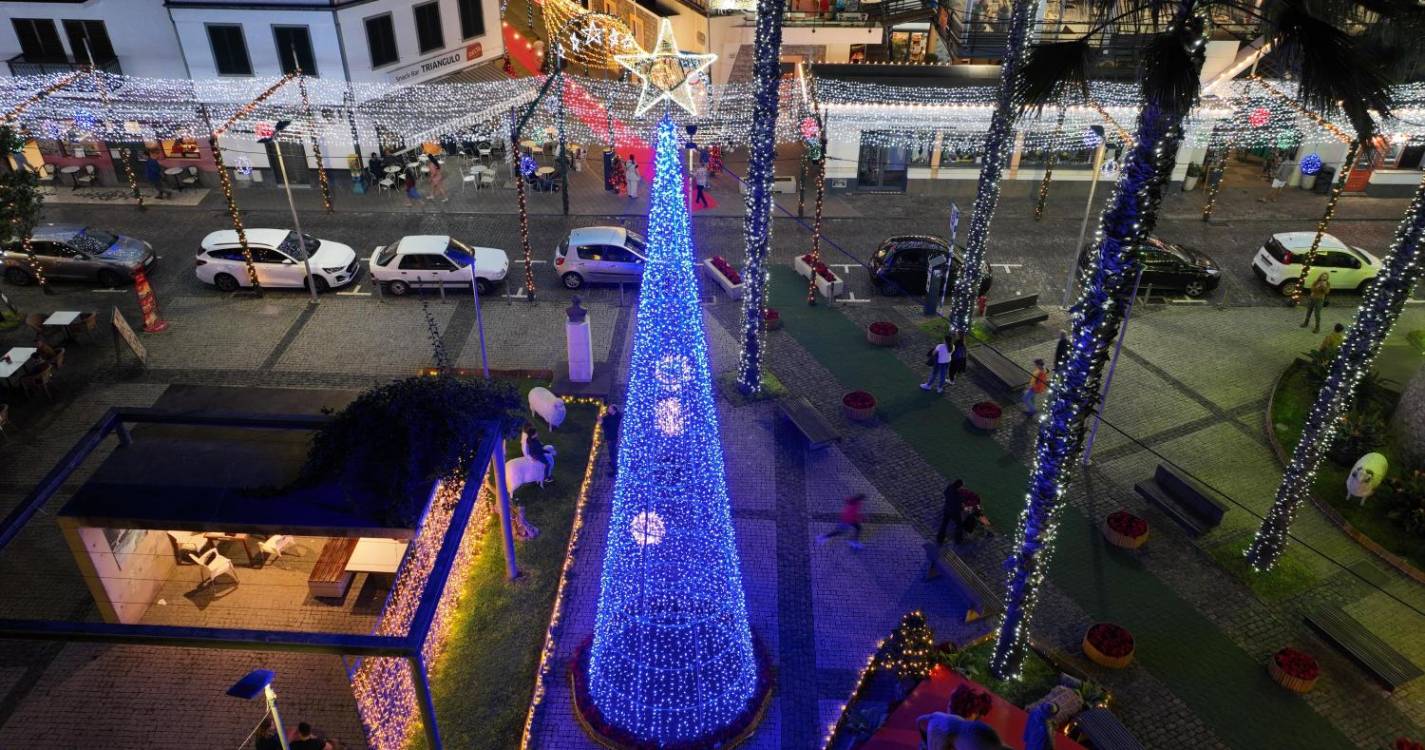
(353, 294)
(1185, 301)
(847, 266)
(532, 260)
(1008, 267)
(851, 297)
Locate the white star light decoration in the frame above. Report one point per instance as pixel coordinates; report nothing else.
(667, 70)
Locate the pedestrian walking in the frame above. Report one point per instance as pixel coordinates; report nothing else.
(1061, 349)
(1333, 340)
(153, 172)
(1317, 300)
(958, 353)
(437, 181)
(950, 511)
(700, 183)
(632, 176)
(939, 361)
(1279, 180)
(353, 165)
(850, 522)
(412, 194)
(609, 424)
(1038, 383)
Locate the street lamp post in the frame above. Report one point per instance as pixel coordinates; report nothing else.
(259, 682)
(1088, 207)
(287, 185)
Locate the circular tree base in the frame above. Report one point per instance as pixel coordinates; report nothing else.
(609, 736)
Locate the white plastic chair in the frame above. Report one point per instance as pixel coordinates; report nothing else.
(212, 565)
(272, 547)
(191, 179)
(87, 177)
(187, 543)
(487, 179)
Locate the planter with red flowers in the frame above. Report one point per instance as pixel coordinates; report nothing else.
(771, 318)
(1109, 645)
(1294, 670)
(985, 415)
(859, 406)
(725, 275)
(827, 282)
(1123, 529)
(882, 333)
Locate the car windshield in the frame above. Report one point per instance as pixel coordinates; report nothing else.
(93, 241)
(637, 244)
(387, 253)
(459, 254)
(1168, 248)
(292, 249)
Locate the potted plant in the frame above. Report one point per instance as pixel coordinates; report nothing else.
(859, 406)
(725, 275)
(827, 282)
(1194, 173)
(1109, 645)
(985, 415)
(882, 333)
(772, 319)
(1123, 529)
(1294, 670)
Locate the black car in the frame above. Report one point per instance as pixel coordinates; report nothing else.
(1168, 265)
(901, 264)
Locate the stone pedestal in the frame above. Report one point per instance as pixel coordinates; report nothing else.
(579, 344)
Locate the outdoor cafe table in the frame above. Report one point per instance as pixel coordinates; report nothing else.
(544, 171)
(174, 172)
(61, 320)
(377, 556)
(73, 172)
(529, 145)
(14, 360)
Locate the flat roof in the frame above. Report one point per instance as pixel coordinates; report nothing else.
(222, 478)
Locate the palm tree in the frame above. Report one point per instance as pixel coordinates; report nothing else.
(998, 144)
(762, 157)
(1332, 73)
(1377, 314)
(20, 201)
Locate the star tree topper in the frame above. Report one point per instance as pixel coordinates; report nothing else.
(667, 70)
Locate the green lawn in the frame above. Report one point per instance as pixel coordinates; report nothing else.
(485, 679)
(1291, 576)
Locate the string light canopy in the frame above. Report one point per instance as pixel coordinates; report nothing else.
(586, 38)
(666, 71)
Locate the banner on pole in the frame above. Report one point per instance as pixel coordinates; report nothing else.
(148, 304)
(954, 221)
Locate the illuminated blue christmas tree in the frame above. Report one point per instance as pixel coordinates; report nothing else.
(672, 660)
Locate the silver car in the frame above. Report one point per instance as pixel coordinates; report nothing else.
(74, 251)
(600, 254)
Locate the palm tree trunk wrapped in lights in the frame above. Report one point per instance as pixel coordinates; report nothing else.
(762, 156)
(998, 143)
(1384, 299)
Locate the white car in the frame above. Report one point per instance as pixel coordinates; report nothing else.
(1278, 262)
(431, 260)
(278, 259)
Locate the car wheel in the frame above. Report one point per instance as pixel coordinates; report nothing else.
(1195, 289)
(18, 276)
(322, 285)
(483, 286)
(110, 280)
(398, 288)
(1364, 285)
(1289, 288)
(225, 282)
(573, 280)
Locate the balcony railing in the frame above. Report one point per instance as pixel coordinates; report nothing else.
(21, 66)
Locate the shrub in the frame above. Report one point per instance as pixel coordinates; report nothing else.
(1370, 393)
(1360, 433)
(1404, 499)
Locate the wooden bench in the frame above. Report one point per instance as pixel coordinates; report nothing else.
(977, 599)
(1001, 369)
(1103, 731)
(1011, 313)
(329, 576)
(1192, 506)
(809, 422)
(1384, 663)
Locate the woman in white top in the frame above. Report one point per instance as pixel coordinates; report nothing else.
(939, 361)
(632, 177)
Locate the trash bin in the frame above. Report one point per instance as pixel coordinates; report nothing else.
(1324, 180)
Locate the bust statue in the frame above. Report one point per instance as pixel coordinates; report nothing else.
(575, 312)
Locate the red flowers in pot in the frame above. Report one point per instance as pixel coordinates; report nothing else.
(819, 268)
(985, 415)
(1294, 670)
(1109, 645)
(772, 318)
(1123, 529)
(858, 405)
(726, 269)
(882, 333)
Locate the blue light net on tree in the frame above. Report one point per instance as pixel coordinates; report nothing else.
(672, 657)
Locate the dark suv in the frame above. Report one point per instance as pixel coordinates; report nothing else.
(901, 264)
(1167, 265)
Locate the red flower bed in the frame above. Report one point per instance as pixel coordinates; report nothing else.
(1298, 664)
(858, 400)
(1127, 524)
(820, 268)
(1111, 640)
(987, 410)
(969, 703)
(883, 328)
(1405, 743)
(726, 269)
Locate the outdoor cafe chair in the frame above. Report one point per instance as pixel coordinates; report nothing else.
(57, 359)
(38, 380)
(85, 178)
(86, 324)
(212, 564)
(272, 547)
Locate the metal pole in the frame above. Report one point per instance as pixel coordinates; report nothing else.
(479, 322)
(301, 241)
(506, 523)
(1084, 226)
(1108, 379)
(421, 678)
(276, 717)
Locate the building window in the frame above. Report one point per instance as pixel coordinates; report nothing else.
(428, 32)
(173, 148)
(39, 41)
(229, 50)
(97, 37)
(472, 19)
(381, 39)
(294, 47)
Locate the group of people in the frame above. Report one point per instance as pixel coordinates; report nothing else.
(300, 739)
(409, 178)
(947, 362)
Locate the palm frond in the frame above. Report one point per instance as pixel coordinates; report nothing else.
(1171, 67)
(1335, 73)
(1050, 71)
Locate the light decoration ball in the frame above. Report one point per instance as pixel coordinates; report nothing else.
(1259, 116)
(667, 74)
(672, 659)
(1311, 164)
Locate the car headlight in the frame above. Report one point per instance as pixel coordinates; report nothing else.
(338, 269)
(1214, 271)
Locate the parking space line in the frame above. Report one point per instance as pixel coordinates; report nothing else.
(1008, 267)
(353, 294)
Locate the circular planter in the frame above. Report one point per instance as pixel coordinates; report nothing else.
(1109, 645)
(772, 319)
(1294, 670)
(986, 415)
(859, 406)
(882, 333)
(1123, 529)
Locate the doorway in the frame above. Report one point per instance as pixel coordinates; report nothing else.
(294, 157)
(881, 167)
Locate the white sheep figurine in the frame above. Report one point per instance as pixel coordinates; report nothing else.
(1366, 476)
(550, 407)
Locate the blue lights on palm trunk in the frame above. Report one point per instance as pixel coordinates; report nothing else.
(672, 658)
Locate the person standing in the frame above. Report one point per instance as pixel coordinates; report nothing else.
(412, 194)
(305, 740)
(1061, 349)
(153, 172)
(939, 361)
(374, 167)
(1038, 383)
(1333, 340)
(353, 165)
(1279, 180)
(632, 176)
(957, 358)
(850, 522)
(700, 183)
(1317, 300)
(437, 181)
(950, 511)
(609, 424)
